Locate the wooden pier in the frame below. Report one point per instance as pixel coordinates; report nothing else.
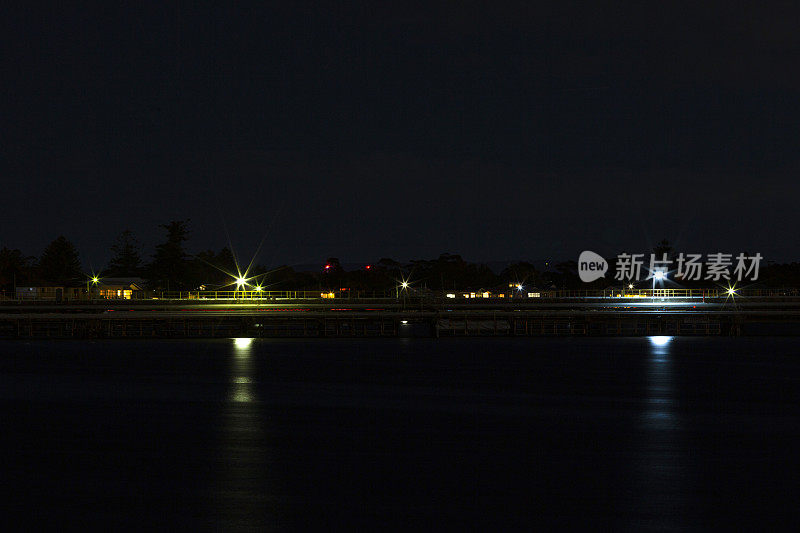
(314, 319)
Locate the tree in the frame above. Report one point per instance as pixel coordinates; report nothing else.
(127, 259)
(213, 270)
(522, 273)
(14, 267)
(60, 263)
(663, 248)
(170, 264)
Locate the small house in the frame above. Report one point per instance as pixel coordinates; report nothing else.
(118, 288)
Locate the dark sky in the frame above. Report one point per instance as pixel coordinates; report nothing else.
(505, 131)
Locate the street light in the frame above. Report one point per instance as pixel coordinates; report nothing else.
(240, 281)
(403, 285)
(657, 275)
(93, 280)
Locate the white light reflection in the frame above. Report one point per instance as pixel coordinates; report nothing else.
(660, 463)
(241, 376)
(241, 462)
(660, 340)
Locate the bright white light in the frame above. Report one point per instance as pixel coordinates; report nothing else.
(519, 286)
(404, 284)
(630, 285)
(660, 340)
(404, 321)
(95, 279)
(731, 292)
(243, 342)
(659, 275)
(258, 288)
(240, 281)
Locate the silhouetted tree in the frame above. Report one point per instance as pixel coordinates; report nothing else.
(451, 271)
(216, 271)
(170, 264)
(521, 272)
(14, 267)
(127, 259)
(663, 247)
(333, 273)
(285, 278)
(60, 262)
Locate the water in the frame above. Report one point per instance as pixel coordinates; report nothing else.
(635, 434)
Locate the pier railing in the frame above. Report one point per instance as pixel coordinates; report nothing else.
(245, 296)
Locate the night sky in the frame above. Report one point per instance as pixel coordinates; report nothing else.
(507, 131)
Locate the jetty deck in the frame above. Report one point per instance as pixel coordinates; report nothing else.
(401, 317)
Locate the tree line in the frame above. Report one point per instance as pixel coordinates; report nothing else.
(172, 268)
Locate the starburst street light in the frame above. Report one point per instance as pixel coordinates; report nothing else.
(240, 281)
(94, 279)
(402, 284)
(659, 275)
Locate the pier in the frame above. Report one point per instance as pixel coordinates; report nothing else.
(687, 313)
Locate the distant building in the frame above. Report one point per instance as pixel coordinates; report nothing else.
(49, 292)
(118, 288)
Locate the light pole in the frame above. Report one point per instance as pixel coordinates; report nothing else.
(93, 280)
(657, 275)
(403, 285)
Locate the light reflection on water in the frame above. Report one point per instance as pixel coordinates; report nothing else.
(661, 476)
(242, 390)
(243, 342)
(660, 340)
(244, 488)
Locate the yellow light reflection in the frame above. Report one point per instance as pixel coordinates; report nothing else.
(243, 342)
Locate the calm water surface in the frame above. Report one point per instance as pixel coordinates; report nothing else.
(633, 434)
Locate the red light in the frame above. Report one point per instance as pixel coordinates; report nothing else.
(327, 266)
(368, 267)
